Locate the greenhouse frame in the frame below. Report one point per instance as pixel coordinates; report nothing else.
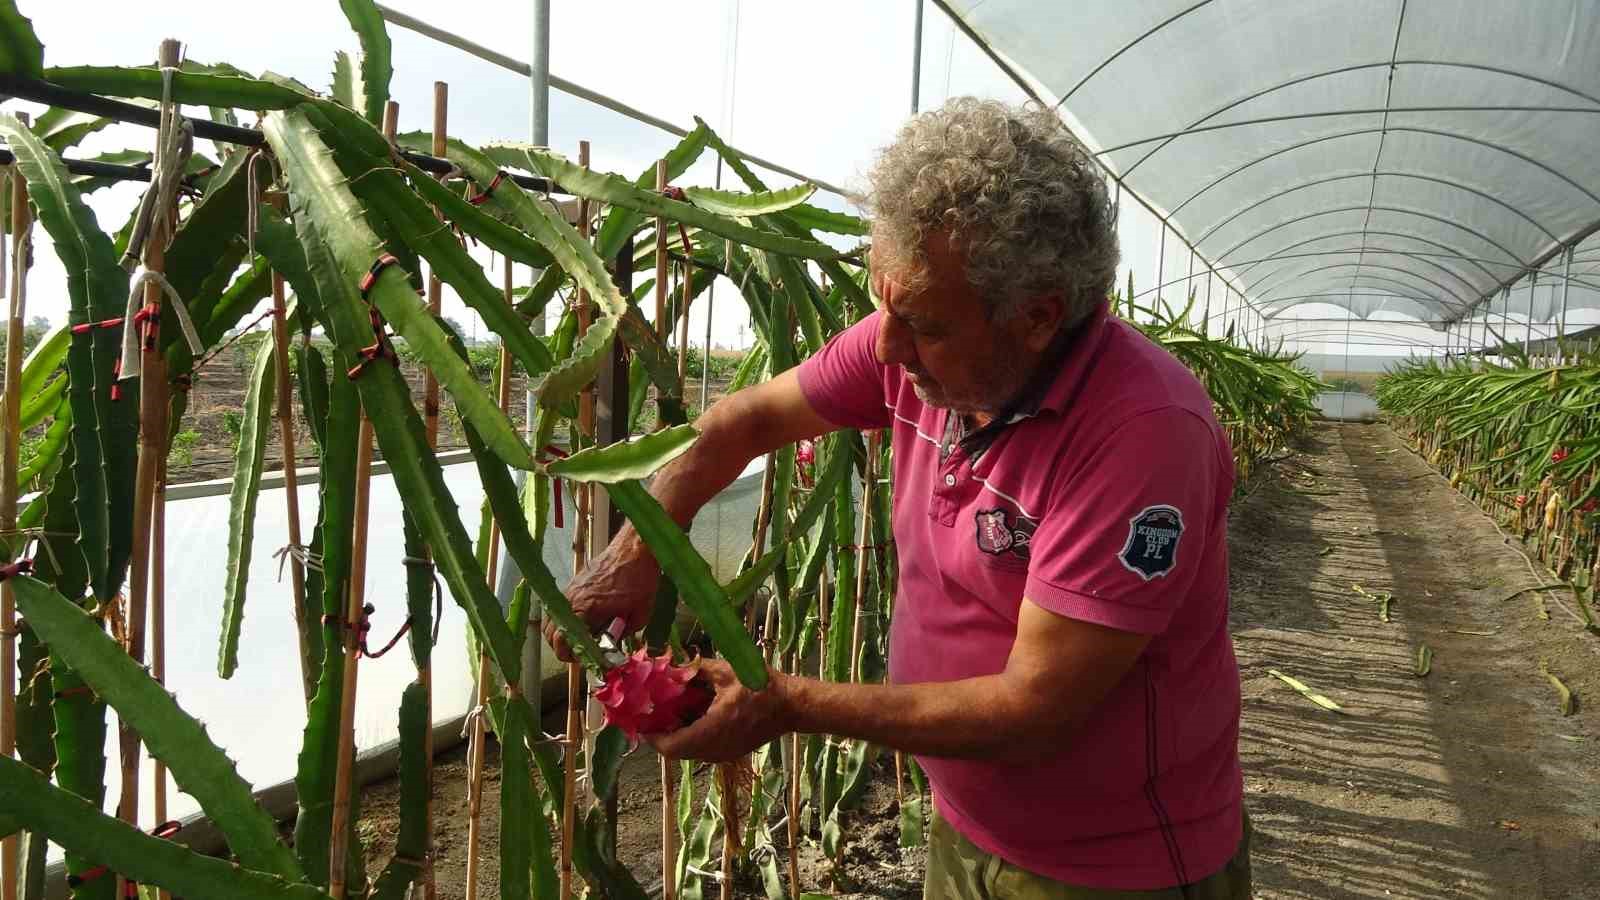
(368, 370)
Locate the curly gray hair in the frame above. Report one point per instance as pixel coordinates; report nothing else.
(1013, 188)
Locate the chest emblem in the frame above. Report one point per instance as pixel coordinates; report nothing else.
(999, 533)
(1152, 546)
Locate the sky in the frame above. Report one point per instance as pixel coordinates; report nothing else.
(818, 87)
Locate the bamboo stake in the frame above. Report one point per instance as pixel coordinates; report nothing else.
(730, 826)
(683, 333)
(20, 227)
(430, 409)
(158, 628)
(291, 486)
(794, 806)
(430, 401)
(338, 838)
(669, 833)
(475, 773)
(338, 847)
(152, 450)
(580, 559)
(669, 853)
(479, 738)
(863, 553)
(662, 261)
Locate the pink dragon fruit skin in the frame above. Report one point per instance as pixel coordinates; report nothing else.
(649, 695)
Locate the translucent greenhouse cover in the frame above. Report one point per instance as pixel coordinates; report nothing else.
(258, 715)
(1377, 155)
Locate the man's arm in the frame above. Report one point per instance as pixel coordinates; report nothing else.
(621, 582)
(1059, 670)
(735, 430)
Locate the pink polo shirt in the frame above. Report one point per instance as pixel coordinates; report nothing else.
(1103, 499)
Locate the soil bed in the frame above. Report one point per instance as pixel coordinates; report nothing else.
(1466, 783)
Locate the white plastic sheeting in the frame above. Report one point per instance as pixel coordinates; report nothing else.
(258, 716)
(1402, 155)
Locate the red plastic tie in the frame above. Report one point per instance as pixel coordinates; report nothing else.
(555, 487)
(116, 380)
(86, 876)
(86, 327)
(366, 627)
(376, 269)
(380, 347)
(148, 320)
(672, 192)
(481, 198)
(20, 567)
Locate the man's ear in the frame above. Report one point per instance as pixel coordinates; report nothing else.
(1042, 317)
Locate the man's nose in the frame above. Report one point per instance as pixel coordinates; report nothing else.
(895, 347)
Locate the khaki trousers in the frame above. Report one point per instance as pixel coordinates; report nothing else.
(958, 870)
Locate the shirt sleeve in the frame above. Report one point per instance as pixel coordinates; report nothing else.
(844, 382)
(1127, 532)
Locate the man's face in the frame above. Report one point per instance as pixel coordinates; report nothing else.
(942, 336)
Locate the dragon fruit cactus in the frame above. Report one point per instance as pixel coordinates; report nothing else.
(647, 694)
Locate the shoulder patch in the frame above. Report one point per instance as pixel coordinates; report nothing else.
(1151, 550)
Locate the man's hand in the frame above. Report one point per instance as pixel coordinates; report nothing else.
(619, 583)
(739, 720)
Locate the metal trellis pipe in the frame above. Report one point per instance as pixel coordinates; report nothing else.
(916, 58)
(1527, 331)
(1566, 286)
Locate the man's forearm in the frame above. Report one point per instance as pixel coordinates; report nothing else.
(975, 718)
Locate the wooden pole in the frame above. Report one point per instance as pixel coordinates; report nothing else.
(158, 629)
(291, 487)
(862, 552)
(683, 333)
(339, 831)
(152, 450)
(580, 559)
(476, 748)
(669, 819)
(669, 833)
(794, 806)
(21, 229)
(338, 844)
(661, 256)
(430, 409)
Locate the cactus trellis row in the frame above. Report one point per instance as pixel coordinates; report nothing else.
(1519, 440)
(328, 216)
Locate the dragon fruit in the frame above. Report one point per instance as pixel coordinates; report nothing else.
(649, 695)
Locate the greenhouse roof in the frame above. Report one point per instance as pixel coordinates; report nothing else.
(1401, 155)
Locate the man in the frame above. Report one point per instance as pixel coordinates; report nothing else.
(1059, 656)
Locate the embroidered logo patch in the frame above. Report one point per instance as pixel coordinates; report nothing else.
(1152, 547)
(1000, 533)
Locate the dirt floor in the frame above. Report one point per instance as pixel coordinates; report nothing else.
(1466, 783)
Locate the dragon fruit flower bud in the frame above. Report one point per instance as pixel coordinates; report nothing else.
(649, 695)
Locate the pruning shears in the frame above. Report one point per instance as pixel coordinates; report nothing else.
(610, 640)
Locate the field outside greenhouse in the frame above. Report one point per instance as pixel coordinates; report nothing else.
(334, 409)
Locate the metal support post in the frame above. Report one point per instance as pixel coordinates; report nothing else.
(1161, 267)
(1527, 331)
(916, 58)
(1566, 285)
(539, 135)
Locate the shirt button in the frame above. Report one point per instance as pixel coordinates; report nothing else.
(949, 480)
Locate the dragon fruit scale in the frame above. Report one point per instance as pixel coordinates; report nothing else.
(647, 694)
